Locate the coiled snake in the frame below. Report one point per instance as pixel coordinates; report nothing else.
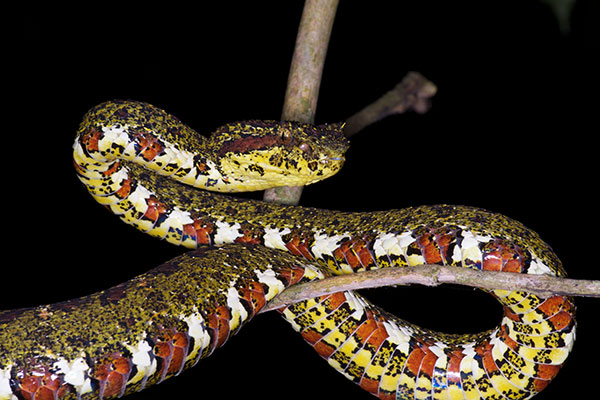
(150, 328)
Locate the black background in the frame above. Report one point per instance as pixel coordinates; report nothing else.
(511, 129)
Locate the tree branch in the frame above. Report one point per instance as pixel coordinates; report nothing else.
(435, 275)
(304, 79)
(412, 93)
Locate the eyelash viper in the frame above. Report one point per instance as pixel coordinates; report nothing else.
(121, 340)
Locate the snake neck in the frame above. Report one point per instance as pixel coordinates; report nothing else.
(116, 133)
(241, 156)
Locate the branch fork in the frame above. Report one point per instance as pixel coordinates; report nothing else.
(413, 93)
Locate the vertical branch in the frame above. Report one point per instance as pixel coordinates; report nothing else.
(304, 78)
(306, 69)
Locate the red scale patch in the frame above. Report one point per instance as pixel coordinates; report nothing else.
(503, 335)
(488, 359)
(155, 209)
(355, 253)
(370, 385)
(202, 167)
(299, 246)
(189, 232)
(112, 373)
(334, 300)
(292, 274)
(124, 190)
(387, 395)
(511, 315)
(199, 230)
(323, 349)
(499, 256)
(561, 320)
(428, 363)
(42, 386)
(112, 169)
(544, 375)
(553, 305)
(380, 333)
(254, 295)
(435, 244)
(311, 336)
(171, 347)
(414, 360)
(181, 344)
(249, 236)
(540, 384)
(366, 329)
(492, 261)
(90, 140)
(218, 324)
(429, 249)
(148, 145)
(547, 371)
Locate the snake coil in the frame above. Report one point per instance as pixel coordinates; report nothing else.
(154, 326)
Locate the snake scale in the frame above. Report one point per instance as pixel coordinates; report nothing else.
(133, 157)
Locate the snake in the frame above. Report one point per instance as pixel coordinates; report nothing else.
(146, 166)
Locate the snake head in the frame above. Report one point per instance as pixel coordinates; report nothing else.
(256, 155)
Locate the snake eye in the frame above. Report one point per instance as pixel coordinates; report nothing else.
(286, 136)
(305, 147)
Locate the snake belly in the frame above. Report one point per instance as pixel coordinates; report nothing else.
(129, 155)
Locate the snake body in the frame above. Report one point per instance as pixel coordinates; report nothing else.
(129, 155)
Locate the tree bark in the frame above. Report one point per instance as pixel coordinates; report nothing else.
(304, 79)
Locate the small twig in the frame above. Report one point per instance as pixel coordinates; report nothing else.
(435, 275)
(412, 93)
(304, 79)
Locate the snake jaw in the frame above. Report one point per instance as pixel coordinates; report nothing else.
(262, 170)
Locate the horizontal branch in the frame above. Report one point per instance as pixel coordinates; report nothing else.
(435, 275)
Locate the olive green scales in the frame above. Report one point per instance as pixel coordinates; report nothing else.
(129, 154)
